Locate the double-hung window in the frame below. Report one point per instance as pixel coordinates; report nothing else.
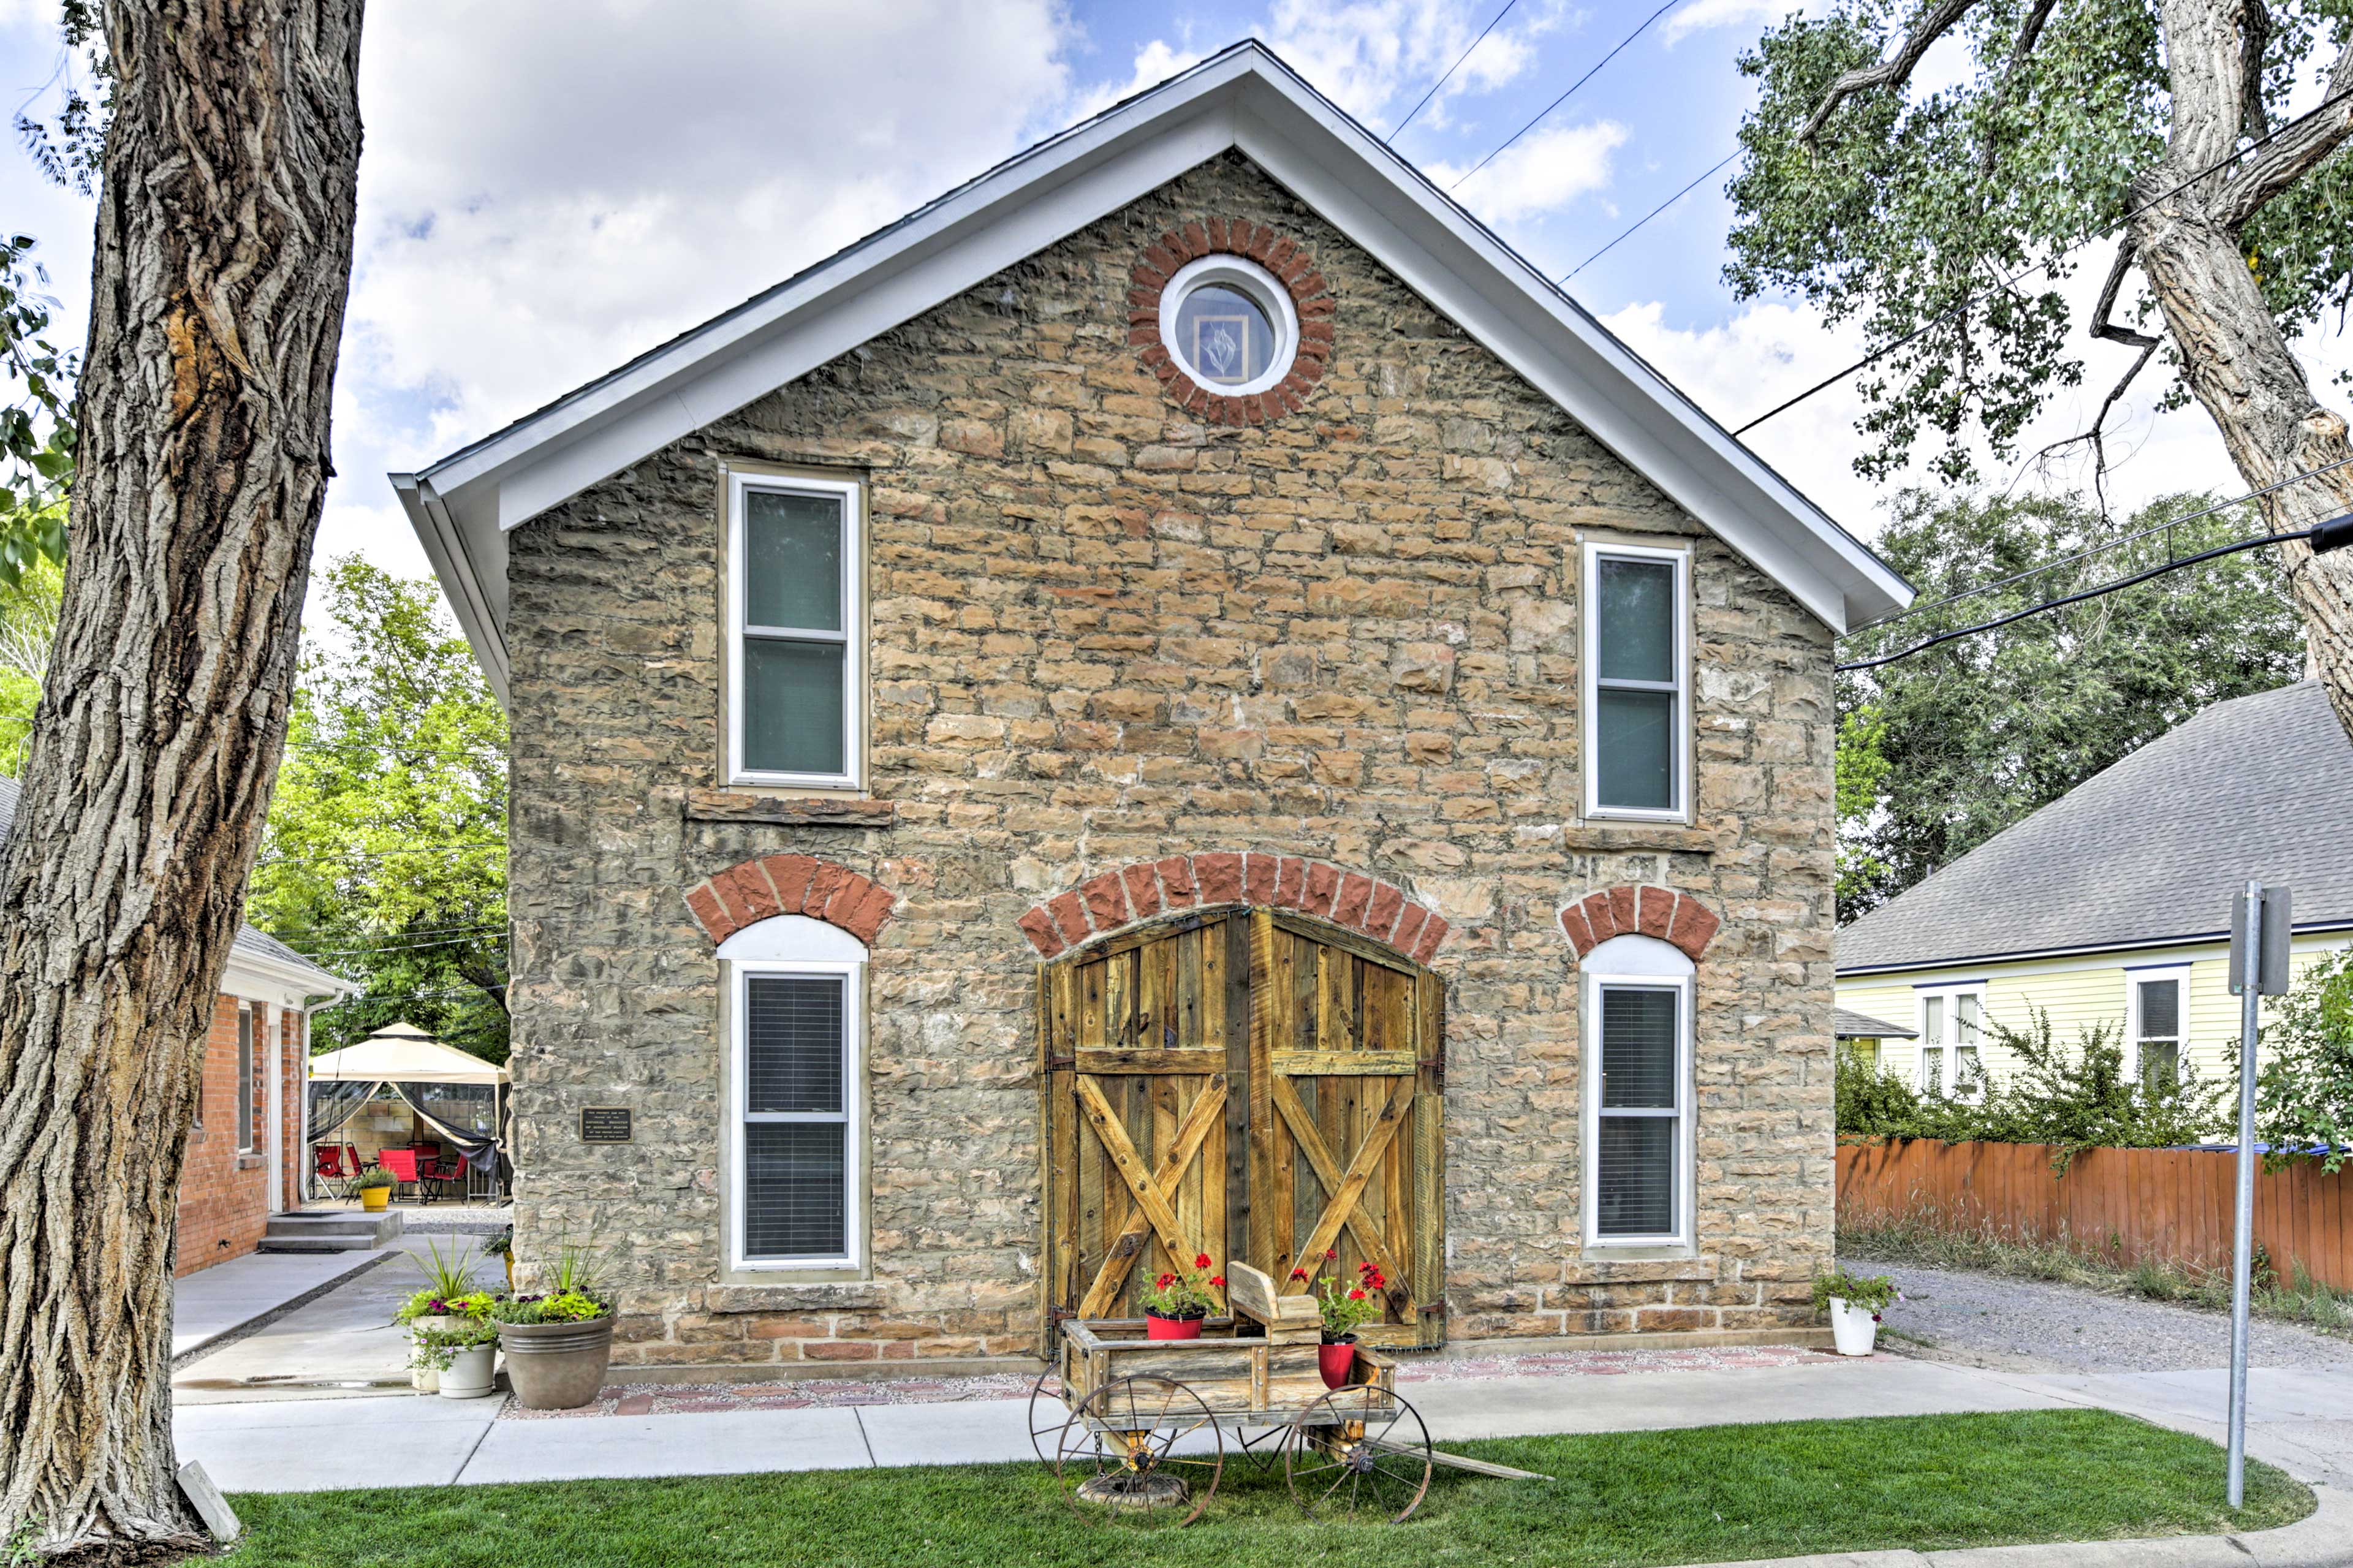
(1638, 1130)
(795, 646)
(1637, 696)
(1950, 1020)
(2156, 1004)
(246, 1138)
(798, 1004)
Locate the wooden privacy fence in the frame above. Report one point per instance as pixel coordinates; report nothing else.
(2125, 1205)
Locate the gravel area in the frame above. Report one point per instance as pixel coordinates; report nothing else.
(2025, 1325)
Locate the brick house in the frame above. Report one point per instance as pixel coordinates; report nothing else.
(245, 1158)
(1160, 703)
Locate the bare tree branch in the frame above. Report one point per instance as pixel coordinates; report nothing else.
(2029, 32)
(2103, 328)
(2097, 431)
(1893, 71)
(2298, 149)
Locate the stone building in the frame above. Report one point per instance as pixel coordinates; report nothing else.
(1161, 701)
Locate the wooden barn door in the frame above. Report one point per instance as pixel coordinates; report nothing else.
(1347, 1155)
(1147, 1046)
(1244, 1084)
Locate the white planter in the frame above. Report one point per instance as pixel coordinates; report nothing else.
(1853, 1328)
(468, 1376)
(423, 1379)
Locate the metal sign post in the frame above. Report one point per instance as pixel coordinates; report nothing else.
(2259, 926)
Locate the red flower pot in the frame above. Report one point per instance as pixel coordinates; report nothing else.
(1156, 1327)
(1338, 1364)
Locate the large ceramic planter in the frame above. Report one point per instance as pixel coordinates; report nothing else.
(470, 1374)
(424, 1379)
(556, 1366)
(1854, 1328)
(374, 1200)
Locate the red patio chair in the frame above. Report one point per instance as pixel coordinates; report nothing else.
(401, 1163)
(327, 1170)
(449, 1175)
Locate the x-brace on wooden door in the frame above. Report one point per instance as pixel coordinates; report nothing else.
(1244, 1084)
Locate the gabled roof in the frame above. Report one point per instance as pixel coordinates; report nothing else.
(1243, 99)
(253, 946)
(2149, 852)
(1850, 1025)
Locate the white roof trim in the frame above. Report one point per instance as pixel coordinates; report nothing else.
(1243, 99)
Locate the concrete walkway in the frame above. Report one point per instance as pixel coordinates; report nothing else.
(223, 1299)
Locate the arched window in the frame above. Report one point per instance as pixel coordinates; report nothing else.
(1638, 1166)
(795, 1029)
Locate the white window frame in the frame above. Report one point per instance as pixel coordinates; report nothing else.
(853, 635)
(797, 945)
(247, 1044)
(1638, 963)
(1254, 283)
(1590, 684)
(1950, 993)
(2134, 977)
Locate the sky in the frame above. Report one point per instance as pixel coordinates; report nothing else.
(549, 187)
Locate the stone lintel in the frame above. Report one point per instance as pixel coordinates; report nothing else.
(1590, 1270)
(1642, 839)
(791, 811)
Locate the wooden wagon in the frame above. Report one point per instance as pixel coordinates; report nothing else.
(1140, 1424)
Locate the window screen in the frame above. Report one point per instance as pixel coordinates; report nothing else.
(797, 1054)
(2159, 1037)
(1637, 691)
(1639, 1125)
(795, 633)
(245, 1095)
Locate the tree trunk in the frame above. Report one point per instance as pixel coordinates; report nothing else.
(223, 257)
(2236, 359)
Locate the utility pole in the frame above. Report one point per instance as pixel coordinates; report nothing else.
(2260, 928)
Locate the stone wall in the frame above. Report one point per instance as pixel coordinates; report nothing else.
(1106, 631)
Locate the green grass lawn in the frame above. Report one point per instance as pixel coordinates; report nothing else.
(1692, 1496)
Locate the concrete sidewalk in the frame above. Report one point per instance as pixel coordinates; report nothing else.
(219, 1300)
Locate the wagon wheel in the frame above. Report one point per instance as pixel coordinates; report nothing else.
(1134, 1447)
(1049, 1412)
(1358, 1447)
(1260, 1447)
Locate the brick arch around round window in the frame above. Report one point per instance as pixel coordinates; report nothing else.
(1147, 890)
(1637, 910)
(727, 902)
(1292, 265)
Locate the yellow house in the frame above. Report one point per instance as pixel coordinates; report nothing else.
(2111, 904)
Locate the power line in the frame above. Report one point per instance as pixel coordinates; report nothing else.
(1964, 302)
(1564, 97)
(1646, 218)
(1911, 610)
(1457, 65)
(2334, 535)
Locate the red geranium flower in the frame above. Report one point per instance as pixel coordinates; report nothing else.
(1202, 1261)
(1218, 1280)
(1165, 1281)
(1299, 1274)
(1329, 1253)
(1356, 1295)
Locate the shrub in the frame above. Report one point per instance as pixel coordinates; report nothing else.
(2303, 1089)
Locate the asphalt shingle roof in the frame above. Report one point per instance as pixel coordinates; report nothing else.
(252, 943)
(2149, 851)
(1850, 1025)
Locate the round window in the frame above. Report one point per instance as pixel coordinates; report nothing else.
(1229, 324)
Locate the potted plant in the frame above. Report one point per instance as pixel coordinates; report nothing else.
(1854, 1304)
(457, 1347)
(502, 1247)
(375, 1187)
(449, 1280)
(559, 1342)
(1345, 1309)
(1179, 1299)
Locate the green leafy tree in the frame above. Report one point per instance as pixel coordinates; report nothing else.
(1940, 751)
(2304, 1087)
(37, 429)
(385, 853)
(2141, 139)
(28, 625)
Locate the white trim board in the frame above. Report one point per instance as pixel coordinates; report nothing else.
(1243, 99)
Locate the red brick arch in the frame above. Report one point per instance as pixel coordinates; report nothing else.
(1114, 900)
(1632, 909)
(727, 902)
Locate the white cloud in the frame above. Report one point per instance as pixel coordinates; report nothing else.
(1155, 62)
(1375, 57)
(1701, 16)
(1540, 173)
